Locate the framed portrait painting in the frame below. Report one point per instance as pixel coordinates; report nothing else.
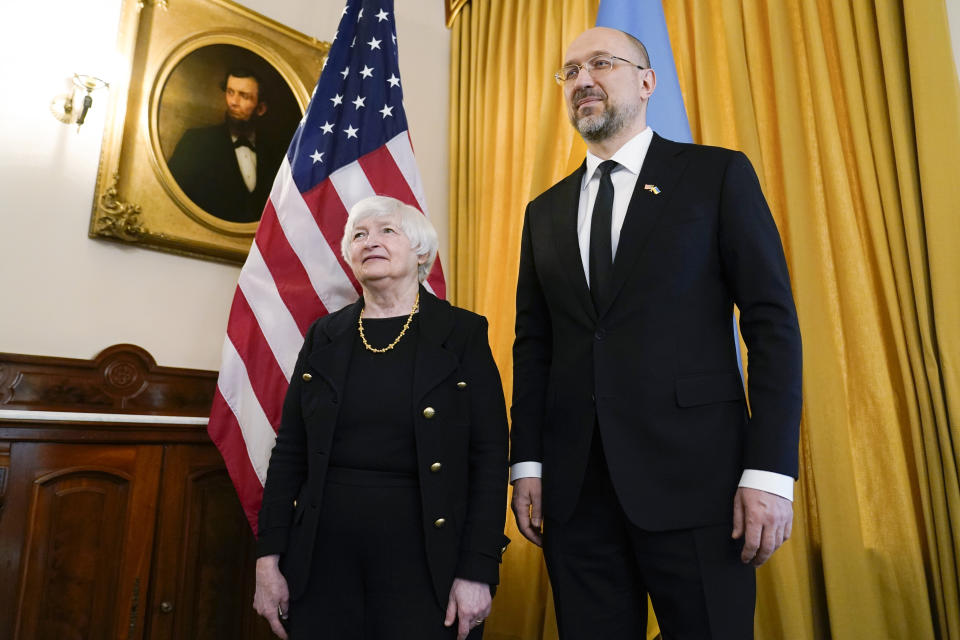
(196, 134)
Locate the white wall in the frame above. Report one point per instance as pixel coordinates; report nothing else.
(64, 294)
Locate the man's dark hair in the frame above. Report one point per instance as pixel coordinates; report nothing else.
(641, 50)
(247, 72)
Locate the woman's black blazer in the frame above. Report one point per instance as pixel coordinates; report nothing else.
(459, 421)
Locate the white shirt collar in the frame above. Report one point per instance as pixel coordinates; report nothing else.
(630, 156)
(252, 138)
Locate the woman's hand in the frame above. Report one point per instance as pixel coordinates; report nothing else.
(272, 597)
(469, 603)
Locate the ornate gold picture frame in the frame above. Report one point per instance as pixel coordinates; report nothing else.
(181, 55)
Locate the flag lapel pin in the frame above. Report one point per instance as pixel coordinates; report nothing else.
(652, 188)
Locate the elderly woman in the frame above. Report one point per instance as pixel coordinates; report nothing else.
(383, 509)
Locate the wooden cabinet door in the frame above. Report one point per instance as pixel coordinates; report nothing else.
(75, 540)
(203, 569)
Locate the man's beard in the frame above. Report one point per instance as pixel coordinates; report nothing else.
(241, 127)
(604, 125)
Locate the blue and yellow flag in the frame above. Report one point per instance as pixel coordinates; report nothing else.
(644, 20)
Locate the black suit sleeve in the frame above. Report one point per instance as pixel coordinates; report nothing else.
(532, 349)
(756, 270)
(287, 470)
(482, 541)
(187, 164)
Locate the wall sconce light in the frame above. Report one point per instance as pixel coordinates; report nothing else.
(63, 106)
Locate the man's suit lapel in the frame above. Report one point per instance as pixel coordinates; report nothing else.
(232, 167)
(267, 165)
(661, 169)
(567, 201)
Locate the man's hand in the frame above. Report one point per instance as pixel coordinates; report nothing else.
(272, 598)
(764, 521)
(469, 604)
(527, 509)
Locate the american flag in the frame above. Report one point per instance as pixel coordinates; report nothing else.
(352, 143)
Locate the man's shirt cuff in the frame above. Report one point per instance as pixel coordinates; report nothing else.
(769, 481)
(525, 470)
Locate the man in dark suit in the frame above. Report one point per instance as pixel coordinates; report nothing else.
(634, 459)
(228, 169)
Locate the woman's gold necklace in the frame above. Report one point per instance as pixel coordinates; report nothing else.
(406, 325)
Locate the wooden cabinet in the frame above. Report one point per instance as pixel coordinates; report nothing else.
(114, 528)
(204, 569)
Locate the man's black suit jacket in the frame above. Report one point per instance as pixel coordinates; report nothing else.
(204, 164)
(656, 368)
(467, 434)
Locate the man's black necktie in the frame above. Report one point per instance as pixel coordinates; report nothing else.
(601, 251)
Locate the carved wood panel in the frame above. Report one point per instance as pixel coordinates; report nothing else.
(122, 378)
(85, 518)
(4, 473)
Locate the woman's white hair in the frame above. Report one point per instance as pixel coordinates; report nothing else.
(416, 226)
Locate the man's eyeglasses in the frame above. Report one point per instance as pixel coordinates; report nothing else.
(597, 65)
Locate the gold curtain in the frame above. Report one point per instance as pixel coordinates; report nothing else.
(452, 9)
(851, 114)
(509, 139)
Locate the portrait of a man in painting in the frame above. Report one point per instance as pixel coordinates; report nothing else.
(225, 121)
